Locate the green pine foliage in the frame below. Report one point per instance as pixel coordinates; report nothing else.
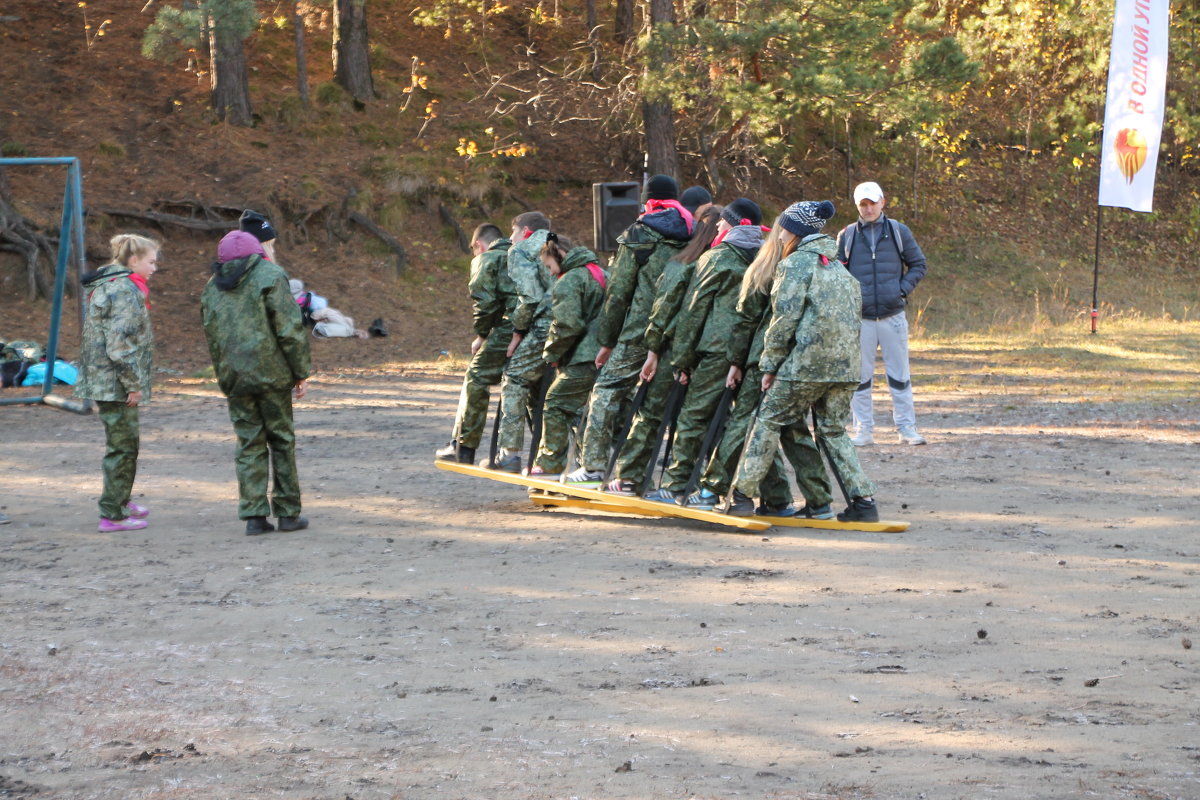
(178, 30)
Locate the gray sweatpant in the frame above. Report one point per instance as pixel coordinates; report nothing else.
(890, 336)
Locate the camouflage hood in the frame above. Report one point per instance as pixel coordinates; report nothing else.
(229, 275)
(579, 256)
(107, 272)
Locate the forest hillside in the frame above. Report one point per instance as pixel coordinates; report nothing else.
(980, 119)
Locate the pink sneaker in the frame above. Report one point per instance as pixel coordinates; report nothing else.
(118, 525)
(136, 511)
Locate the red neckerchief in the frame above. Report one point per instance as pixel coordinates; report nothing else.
(140, 282)
(721, 236)
(662, 205)
(597, 273)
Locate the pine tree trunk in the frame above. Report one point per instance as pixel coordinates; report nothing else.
(301, 57)
(230, 82)
(623, 24)
(351, 58)
(657, 114)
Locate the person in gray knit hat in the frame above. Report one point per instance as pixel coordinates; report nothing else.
(889, 264)
(809, 364)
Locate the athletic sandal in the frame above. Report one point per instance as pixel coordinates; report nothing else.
(702, 500)
(741, 506)
(257, 525)
(861, 509)
(118, 525)
(785, 510)
(136, 511)
(292, 523)
(620, 486)
(584, 477)
(663, 496)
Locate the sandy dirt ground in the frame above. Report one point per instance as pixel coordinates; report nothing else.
(433, 636)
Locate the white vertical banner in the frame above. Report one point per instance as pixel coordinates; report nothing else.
(1133, 114)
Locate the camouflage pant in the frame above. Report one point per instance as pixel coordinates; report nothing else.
(639, 445)
(485, 370)
(568, 396)
(614, 385)
(122, 434)
(266, 446)
(786, 406)
(718, 475)
(705, 387)
(522, 374)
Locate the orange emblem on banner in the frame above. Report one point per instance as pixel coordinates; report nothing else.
(1130, 148)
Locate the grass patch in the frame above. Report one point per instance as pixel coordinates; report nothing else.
(1128, 360)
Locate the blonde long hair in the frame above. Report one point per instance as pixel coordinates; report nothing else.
(130, 245)
(761, 272)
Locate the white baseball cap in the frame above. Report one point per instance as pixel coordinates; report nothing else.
(868, 191)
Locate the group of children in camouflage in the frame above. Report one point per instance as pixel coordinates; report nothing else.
(260, 354)
(702, 318)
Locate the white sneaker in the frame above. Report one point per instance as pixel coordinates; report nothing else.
(583, 477)
(862, 438)
(909, 435)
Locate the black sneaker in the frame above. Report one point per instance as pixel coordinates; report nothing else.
(785, 510)
(292, 523)
(466, 455)
(257, 525)
(741, 506)
(861, 509)
(509, 464)
(447, 453)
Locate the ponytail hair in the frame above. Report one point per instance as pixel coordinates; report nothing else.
(761, 272)
(130, 245)
(556, 247)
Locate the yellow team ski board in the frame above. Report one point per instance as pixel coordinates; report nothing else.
(612, 504)
(627, 505)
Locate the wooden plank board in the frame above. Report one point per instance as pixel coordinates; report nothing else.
(883, 526)
(788, 522)
(629, 505)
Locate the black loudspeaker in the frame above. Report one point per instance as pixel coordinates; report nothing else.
(615, 206)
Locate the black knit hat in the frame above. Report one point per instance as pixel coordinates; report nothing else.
(740, 209)
(257, 226)
(807, 217)
(693, 197)
(662, 187)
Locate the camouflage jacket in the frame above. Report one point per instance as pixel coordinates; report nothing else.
(576, 300)
(816, 310)
(493, 296)
(255, 333)
(746, 339)
(642, 252)
(118, 344)
(710, 315)
(673, 287)
(531, 279)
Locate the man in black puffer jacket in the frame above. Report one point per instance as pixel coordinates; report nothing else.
(889, 264)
